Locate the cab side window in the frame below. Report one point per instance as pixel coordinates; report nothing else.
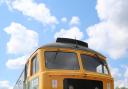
(35, 65)
(26, 70)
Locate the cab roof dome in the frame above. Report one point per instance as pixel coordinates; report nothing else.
(72, 44)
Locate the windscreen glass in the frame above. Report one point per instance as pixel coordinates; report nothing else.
(94, 64)
(61, 60)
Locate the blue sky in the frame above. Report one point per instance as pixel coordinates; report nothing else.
(28, 24)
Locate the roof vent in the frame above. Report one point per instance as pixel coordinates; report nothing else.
(72, 41)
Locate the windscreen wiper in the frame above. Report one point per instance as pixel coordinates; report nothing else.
(55, 56)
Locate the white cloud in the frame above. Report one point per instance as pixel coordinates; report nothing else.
(110, 34)
(22, 40)
(73, 33)
(121, 83)
(17, 63)
(64, 19)
(5, 85)
(114, 10)
(120, 78)
(115, 73)
(30, 8)
(126, 73)
(75, 20)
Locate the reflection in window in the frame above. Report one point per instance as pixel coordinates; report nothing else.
(35, 65)
(61, 60)
(99, 69)
(105, 70)
(93, 64)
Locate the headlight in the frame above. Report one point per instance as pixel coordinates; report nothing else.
(108, 86)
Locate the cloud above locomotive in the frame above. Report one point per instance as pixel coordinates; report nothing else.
(110, 34)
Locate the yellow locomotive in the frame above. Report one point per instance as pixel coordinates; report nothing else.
(66, 64)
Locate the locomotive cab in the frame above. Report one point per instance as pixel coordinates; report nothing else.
(67, 64)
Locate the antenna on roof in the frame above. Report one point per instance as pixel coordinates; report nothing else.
(76, 42)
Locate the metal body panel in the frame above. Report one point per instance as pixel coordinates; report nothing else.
(53, 78)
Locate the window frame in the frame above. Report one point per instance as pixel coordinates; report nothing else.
(63, 51)
(93, 55)
(35, 57)
(26, 70)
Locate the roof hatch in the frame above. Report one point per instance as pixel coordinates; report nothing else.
(72, 41)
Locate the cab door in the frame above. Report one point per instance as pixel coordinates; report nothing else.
(34, 75)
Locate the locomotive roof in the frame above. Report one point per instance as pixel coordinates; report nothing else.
(63, 44)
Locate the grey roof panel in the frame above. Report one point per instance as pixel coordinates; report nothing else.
(71, 46)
